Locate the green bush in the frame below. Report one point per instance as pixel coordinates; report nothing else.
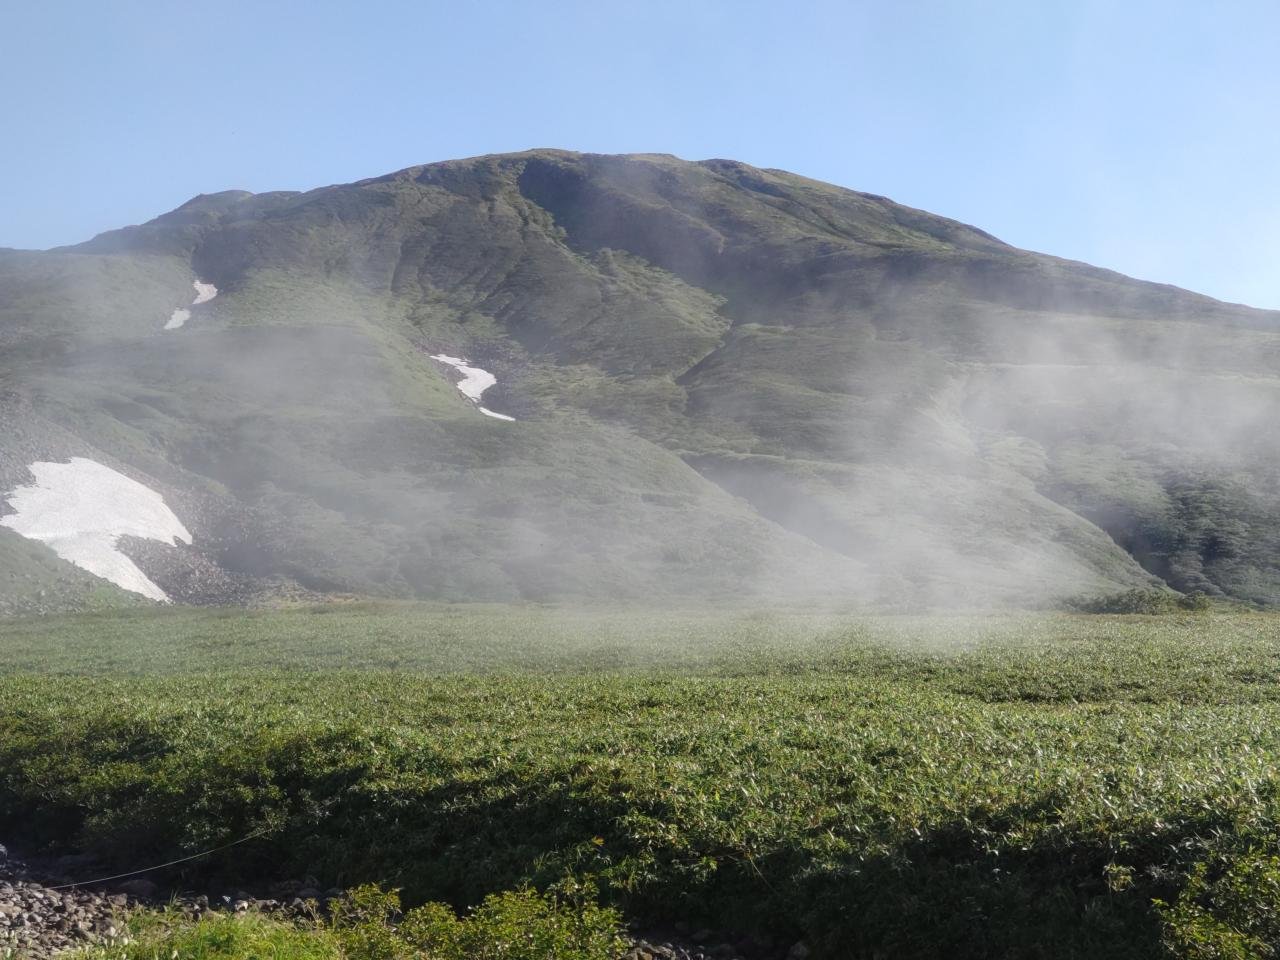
(1195, 601)
(566, 923)
(1228, 910)
(1148, 602)
(160, 936)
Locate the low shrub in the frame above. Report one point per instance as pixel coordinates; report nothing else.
(991, 791)
(1228, 910)
(160, 936)
(1148, 602)
(565, 923)
(1195, 601)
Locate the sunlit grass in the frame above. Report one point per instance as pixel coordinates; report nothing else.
(989, 784)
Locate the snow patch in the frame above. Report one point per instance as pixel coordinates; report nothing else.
(81, 510)
(474, 382)
(204, 293)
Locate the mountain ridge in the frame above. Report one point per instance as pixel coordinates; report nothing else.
(728, 384)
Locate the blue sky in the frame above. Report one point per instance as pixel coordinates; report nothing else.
(1141, 136)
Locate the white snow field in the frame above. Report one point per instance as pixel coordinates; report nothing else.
(474, 382)
(204, 293)
(81, 510)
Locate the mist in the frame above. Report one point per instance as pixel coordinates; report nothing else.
(727, 386)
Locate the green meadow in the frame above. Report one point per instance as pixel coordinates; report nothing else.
(1019, 786)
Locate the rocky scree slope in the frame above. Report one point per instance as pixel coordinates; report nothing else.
(727, 383)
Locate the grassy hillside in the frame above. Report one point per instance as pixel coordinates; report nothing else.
(1035, 786)
(35, 581)
(728, 383)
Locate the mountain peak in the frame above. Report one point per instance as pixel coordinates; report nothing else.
(703, 380)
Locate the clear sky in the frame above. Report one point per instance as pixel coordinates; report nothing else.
(1141, 136)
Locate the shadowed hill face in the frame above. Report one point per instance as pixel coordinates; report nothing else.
(728, 384)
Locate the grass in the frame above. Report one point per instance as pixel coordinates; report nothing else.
(909, 787)
(369, 924)
(33, 581)
(1039, 649)
(223, 938)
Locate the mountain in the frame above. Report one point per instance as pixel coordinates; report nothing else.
(723, 384)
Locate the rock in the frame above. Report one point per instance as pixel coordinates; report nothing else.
(139, 887)
(287, 888)
(799, 951)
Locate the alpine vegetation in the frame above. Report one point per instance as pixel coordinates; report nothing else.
(731, 383)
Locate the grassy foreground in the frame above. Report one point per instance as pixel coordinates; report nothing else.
(370, 924)
(966, 787)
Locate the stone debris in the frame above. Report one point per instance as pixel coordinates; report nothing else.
(38, 922)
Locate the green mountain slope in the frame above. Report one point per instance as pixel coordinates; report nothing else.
(727, 384)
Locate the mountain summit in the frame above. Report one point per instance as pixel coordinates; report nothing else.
(701, 382)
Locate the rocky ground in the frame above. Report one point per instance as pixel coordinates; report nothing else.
(38, 921)
(685, 943)
(43, 913)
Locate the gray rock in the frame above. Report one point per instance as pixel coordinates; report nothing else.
(139, 887)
